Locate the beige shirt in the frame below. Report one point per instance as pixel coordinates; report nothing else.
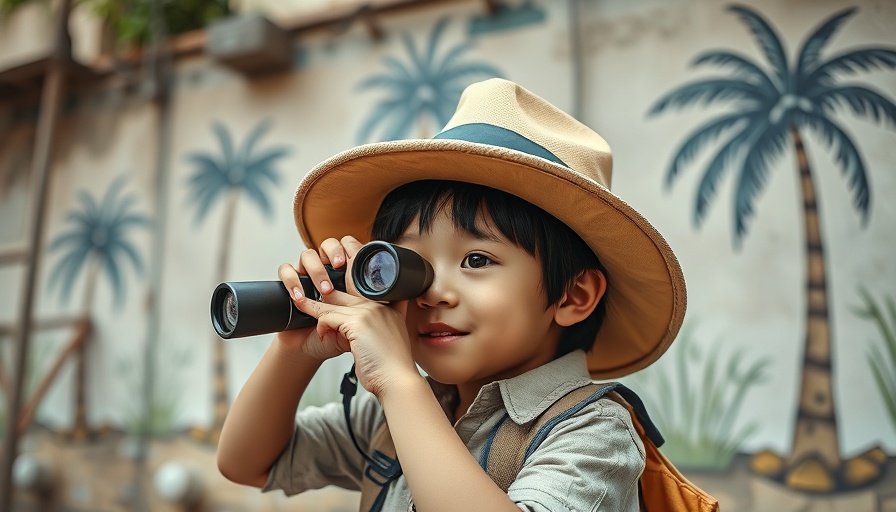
(590, 461)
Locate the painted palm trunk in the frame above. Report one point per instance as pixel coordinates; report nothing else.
(226, 177)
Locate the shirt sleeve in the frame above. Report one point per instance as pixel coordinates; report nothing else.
(321, 452)
(590, 461)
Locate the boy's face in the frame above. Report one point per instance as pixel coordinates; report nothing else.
(484, 316)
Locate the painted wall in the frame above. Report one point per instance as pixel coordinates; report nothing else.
(746, 325)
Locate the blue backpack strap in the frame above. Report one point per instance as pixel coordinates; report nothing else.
(382, 467)
(510, 444)
(378, 477)
(634, 400)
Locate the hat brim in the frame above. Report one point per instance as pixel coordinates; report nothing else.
(646, 297)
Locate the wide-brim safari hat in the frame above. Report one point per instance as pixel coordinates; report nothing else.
(505, 137)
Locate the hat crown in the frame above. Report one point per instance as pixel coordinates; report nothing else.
(504, 104)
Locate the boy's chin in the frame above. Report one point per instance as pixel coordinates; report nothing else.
(444, 374)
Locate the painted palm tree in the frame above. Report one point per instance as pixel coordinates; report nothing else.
(96, 242)
(425, 90)
(771, 108)
(227, 176)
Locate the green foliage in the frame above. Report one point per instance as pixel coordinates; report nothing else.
(697, 417)
(882, 356)
(131, 20)
(9, 5)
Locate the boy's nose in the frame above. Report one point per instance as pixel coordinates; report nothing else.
(439, 294)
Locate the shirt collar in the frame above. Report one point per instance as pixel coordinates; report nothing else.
(528, 395)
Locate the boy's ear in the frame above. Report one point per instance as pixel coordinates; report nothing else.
(581, 298)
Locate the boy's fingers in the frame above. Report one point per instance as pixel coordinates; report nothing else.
(351, 245)
(331, 252)
(311, 263)
(334, 303)
(290, 278)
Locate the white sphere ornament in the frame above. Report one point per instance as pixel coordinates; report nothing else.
(32, 474)
(176, 483)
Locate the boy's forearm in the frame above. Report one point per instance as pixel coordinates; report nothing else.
(440, 471)
(262, 418)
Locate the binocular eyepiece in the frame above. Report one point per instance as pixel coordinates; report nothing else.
(381, 271)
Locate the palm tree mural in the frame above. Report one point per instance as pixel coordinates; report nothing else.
(96, 241)
(225, 177)
(774, 107)
(426, 89)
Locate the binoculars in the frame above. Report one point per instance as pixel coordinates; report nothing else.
(381, 271)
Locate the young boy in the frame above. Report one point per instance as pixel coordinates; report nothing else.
(543, 280)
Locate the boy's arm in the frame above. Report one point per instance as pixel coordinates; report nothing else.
(440, 471)
(262, 418)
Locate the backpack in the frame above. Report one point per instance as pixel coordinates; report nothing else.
(662, 487)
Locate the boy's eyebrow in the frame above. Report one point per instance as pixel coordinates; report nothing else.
(487, 235)
(482, 235)
(407, 237)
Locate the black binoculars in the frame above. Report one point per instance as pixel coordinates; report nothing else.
(381, 271)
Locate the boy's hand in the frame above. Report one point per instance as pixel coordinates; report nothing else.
(336, 253)
(371, 321)
(374, 333)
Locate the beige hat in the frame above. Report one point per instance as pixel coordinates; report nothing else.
(507, 138)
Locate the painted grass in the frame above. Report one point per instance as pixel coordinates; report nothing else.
(159, 419)
(695, 398)
(882, 355)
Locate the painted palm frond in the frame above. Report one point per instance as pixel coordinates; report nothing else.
(810, 52)
(767, 39)
(849, 160)
(424, 86)
(243, 169)
(767, 105)
(868, 59)
(743, 68)
(100, 230)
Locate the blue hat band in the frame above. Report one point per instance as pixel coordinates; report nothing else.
(484, 133)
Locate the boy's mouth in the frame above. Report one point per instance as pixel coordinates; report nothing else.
(439, 330)
(440, 335)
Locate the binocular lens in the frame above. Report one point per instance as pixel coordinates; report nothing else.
(229, 314)
(380, 271)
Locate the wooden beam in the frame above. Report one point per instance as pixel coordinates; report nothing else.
(492, 6)
(53, 93)
(74, 345)
(48, 324)
(13, 254)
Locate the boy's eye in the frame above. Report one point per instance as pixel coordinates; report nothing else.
(476, 261)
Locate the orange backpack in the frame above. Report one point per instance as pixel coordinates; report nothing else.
(662, 486)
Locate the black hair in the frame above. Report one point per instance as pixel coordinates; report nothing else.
(562, 253)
